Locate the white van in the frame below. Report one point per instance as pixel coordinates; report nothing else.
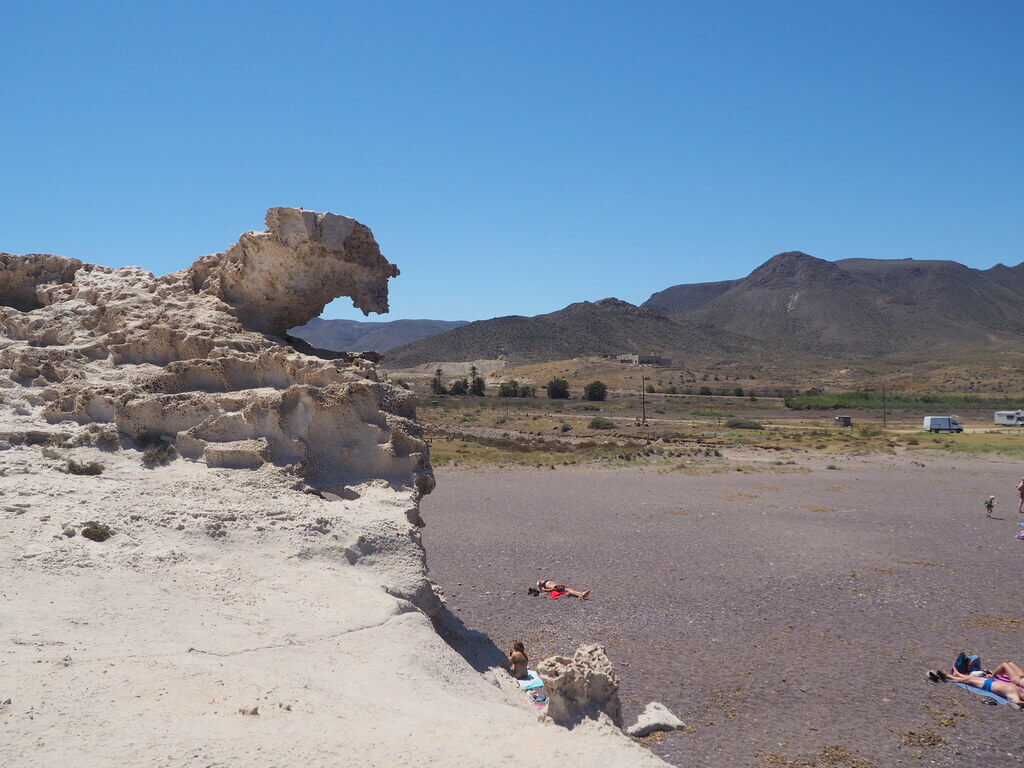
(942, 424)
(1010, 418)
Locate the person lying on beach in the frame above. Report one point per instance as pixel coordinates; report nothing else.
(550, 585)
(1007, 680)
(517, 662)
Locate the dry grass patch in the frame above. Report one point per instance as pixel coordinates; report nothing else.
(921, 739)
(819, 509)
(998, 623)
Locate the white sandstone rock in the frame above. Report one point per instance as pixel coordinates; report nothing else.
(583, 687)
(655, 717)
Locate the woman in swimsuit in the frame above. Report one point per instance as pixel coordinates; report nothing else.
(550, 585)
(1006, 681)
(517, 662)
(1020, 490)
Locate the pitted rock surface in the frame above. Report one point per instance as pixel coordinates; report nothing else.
(199, 355)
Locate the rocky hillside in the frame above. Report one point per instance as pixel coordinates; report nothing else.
(608, 326)
(859, 307)
(354, 336)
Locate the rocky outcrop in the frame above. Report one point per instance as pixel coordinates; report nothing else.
(253, 510)
(581, 688)
(284, 277)
(655, 717)
(196, 356)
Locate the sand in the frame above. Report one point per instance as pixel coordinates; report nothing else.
(787, 618)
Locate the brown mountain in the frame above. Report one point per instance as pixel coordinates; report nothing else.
(357, 336)
(608, 326)
(861, 307)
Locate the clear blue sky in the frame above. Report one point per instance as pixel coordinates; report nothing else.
(512, 158)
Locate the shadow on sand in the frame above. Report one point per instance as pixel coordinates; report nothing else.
(475, 647)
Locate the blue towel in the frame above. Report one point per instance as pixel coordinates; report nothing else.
(531, 682)
(989, 694)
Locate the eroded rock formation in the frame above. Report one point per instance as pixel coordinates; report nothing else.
(198, 356)
(581, 688)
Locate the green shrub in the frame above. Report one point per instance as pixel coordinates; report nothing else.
(508, 389)
(458, 387)
(159, 454)
(743, 424)
(84, 468)
(476, 386)
(705, 391)
(565, 427)
(600, 422)
(525, 390)
(595, 390)
(558, 389)
(50, 453)
(97, 531)
(108, 438)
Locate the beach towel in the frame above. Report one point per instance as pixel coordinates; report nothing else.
(988, 694)
(554, 595)
(1020, 535)
(1021, 525)
(532, 681)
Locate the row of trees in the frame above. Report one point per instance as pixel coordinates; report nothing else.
(557, 389)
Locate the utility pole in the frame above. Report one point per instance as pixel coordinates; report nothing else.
(643, 401)
(883, 406)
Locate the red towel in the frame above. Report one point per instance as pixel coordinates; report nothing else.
(555, 595)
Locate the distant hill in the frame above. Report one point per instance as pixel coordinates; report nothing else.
(793, 307)
(680, 299)
(355, 336)
(608, 326)
(859, 307)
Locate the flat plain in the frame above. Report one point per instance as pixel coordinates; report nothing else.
(787, 617)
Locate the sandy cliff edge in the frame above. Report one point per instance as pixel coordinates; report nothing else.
(272, 563)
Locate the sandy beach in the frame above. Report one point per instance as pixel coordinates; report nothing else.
(788, 618)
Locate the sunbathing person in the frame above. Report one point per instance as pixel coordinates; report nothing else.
(550, 585)
(1004, 681)
(517, 662)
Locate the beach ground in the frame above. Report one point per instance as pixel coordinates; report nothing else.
(788, 618)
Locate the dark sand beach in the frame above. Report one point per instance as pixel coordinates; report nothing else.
(788, 618)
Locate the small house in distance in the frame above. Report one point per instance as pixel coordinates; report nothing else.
(844, 421)
(1010, 418)
(643, 360)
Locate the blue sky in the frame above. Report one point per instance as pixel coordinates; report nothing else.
(512, 158)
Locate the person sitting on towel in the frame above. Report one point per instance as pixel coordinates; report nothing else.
(1007, 681)
(550, 585)
(517, 662)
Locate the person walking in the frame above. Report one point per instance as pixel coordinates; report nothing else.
(1020, 492)
(989, 503)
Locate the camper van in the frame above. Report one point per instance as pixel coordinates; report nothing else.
(1010, 418)
(942, 424)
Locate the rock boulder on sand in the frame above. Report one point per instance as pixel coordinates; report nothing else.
(262, 549)
(655, 717)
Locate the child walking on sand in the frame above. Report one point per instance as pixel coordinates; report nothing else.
(989, 503)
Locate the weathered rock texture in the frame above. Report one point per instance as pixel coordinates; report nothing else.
(655, 717)
(262, 503)
(583, 687)
(193, 355)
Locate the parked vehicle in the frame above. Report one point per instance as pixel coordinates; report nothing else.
(844, 421)
(1010, 418)
(942, 424)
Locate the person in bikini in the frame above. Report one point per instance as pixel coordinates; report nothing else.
(517, 662)
(550, 585)
(1020, 492)
(1007, 681)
